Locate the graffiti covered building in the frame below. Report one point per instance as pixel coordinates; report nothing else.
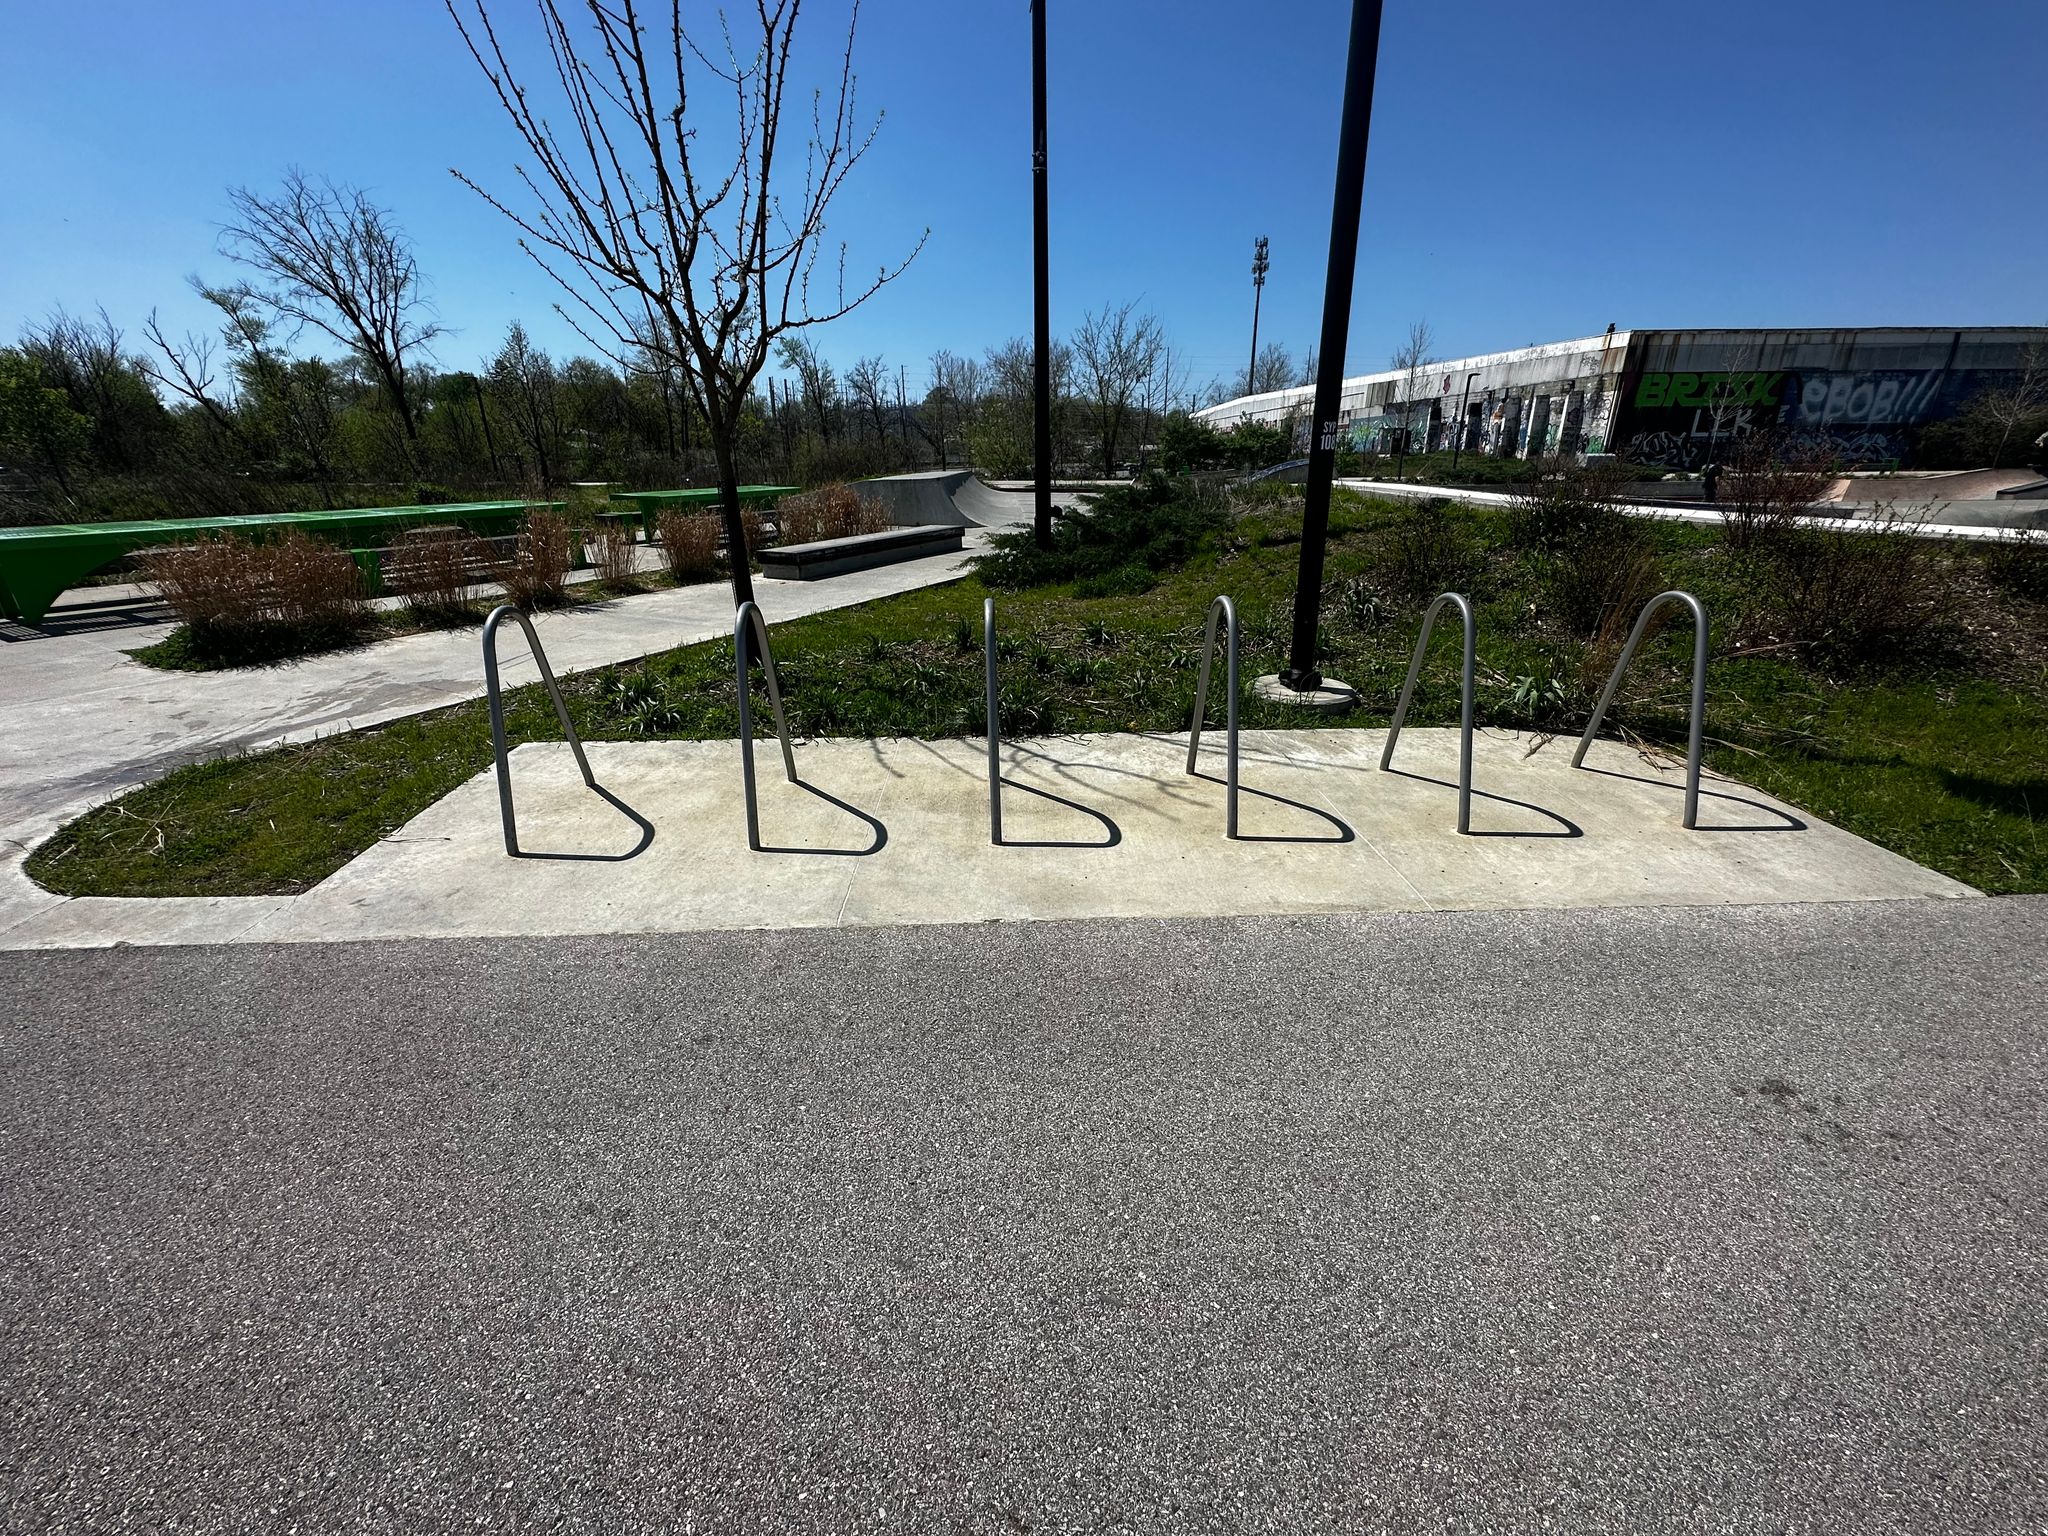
(1674, 397)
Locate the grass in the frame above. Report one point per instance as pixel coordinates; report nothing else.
(1939, 755)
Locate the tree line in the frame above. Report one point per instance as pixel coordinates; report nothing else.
(319, 384)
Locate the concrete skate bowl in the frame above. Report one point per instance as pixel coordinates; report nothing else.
(953, 498)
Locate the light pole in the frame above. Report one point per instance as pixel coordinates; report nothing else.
(1362, 58)
(1464, 419)
(1041, 295)
(1259, 265)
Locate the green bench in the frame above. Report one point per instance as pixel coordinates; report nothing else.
(38, 565)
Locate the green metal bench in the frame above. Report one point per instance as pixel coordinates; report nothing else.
(37, 565)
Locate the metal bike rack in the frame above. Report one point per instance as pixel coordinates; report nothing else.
(747, 625)
(493, 693)
(995, 728)
(1228, 610)
(1465, 706)
(1699, 692)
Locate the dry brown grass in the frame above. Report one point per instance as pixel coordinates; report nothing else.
(613, 553)
(438, 571)
(689, 543)
(537, 575)
(829, 512)
(237, 597)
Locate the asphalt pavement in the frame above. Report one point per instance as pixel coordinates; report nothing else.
(1600, 1220)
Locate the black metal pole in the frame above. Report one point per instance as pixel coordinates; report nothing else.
(1251, 374)
(1362, 59)
(1041, 427)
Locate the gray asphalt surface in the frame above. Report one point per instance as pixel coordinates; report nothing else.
(1722, 1220)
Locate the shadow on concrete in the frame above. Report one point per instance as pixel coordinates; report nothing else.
(1786, 821)
(1115, 832)
(646, 836)
(1344, 832)
(1567, 827)
(881, 838)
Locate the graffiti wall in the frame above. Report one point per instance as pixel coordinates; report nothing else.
(1845, 408)
(1683, 419)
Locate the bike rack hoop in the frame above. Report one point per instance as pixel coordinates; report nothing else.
(1225, 609)
(1699, 691)
(749, 628)
(1464, 607)
(495, 695)
(995, 725)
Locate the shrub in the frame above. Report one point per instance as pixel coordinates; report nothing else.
(1427, 551)
(2018, 565)
(1859, 597)
(1186, 444)
(537, 575)
(1594, 565)
(1766, 487)
(689, 543)
(615, 554)
(830, 512)
(244, 601)
(436, 571)
(1126, 535)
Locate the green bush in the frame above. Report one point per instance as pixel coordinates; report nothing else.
(1127, 535)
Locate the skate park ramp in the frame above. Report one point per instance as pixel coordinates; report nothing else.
(953, 498)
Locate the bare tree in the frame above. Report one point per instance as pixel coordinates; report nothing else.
(867, 381)
(331, 259)
(629, 219)
(1117, 352)
(950, 397)
(2017, 403)
(523, 381)
(1274, 370)
(1409, 359)
(820, 385)
(187, 372)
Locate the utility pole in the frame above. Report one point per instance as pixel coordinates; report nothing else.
(1362, 59)
(1041, 253)
(1259, 265)
(1464, 416)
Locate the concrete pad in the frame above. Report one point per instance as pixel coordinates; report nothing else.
(96, 922)
(896, 831)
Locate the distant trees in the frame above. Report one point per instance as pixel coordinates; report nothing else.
(39, 428)
(1274, 369)
(1117, 352)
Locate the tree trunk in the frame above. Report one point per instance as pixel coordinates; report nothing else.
(729, 510)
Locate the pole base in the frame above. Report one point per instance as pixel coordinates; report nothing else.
(1330, 694)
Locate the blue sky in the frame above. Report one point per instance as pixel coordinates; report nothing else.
(1535, 172)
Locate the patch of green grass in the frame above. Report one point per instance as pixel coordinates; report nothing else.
(1940, 759)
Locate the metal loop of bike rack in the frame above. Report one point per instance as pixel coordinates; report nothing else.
(1699, 692)
(995, 728)
(1228, 610)
(497, 702)
(748, 624)
(1464, 607)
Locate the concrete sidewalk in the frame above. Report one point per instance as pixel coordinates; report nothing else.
(81, 721)
(884, 833)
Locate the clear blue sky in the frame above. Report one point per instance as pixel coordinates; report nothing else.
(1535, 172)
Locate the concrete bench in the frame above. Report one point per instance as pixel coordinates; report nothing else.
(830, 557)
